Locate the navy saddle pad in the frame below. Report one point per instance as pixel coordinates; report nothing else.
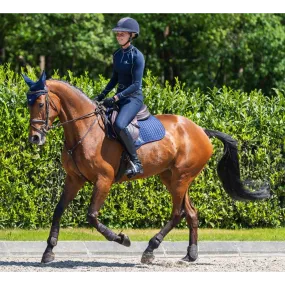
(151, 130)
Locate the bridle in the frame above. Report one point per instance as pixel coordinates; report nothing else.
(45, 126)
(99, 110)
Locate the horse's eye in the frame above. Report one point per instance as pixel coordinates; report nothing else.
(41, 105)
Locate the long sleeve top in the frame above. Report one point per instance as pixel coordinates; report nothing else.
(128, 67)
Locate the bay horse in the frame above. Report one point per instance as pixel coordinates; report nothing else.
(88, 155)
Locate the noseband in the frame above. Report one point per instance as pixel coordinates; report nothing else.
(45, 127)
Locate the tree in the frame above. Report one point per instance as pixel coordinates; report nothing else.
(78, 42)
(242, 51)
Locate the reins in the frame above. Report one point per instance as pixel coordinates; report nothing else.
(100, 110)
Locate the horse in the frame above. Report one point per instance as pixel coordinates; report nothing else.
(89, 155)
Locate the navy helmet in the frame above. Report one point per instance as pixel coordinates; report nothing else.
(128, 24)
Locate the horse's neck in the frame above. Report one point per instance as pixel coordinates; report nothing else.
(73, 103)
(73, 106)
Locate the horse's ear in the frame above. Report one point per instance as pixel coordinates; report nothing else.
(29, 81)
(43, 77)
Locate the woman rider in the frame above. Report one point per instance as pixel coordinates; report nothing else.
(128, 67)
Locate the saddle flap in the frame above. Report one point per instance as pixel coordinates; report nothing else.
(114, 116)
(143, 113)
(133, 127)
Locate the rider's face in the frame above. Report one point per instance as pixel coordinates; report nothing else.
(122, 37)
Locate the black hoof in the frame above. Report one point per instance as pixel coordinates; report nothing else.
(147, 258)
(124, 240)
(48, 257)
(192, 253)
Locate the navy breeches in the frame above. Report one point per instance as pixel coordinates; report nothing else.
(128, 108)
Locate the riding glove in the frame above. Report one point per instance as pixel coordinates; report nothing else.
(99, 98)
(109, 102)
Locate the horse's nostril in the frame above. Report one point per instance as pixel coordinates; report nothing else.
(35, 139)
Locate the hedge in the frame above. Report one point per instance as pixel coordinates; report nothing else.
(31, 177)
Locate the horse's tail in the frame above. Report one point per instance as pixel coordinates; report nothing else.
(229, 171)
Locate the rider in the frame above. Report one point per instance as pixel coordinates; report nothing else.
(128, 67)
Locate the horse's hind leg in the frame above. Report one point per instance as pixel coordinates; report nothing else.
(71, 188)
(177, 189)
(192, 221)
(100, 193)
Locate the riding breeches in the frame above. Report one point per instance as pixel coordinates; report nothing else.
(128, 108)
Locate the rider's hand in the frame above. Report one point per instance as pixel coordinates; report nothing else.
(109, 102)
(99, 98)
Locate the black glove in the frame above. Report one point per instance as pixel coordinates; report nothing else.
(109, 102)
(99, 98)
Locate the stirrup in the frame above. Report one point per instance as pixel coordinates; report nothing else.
(136, 169)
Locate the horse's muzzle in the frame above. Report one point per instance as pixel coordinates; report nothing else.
(37, 139)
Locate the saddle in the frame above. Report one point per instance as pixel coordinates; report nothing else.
(152, 130)
(133, 127)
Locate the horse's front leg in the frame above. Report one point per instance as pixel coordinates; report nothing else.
(71, 188)
(100, 193)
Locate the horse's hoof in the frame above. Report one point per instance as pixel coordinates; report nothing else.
(124, 240)
(186, 258)
(192, 253)
(147, 258)
(48, 257)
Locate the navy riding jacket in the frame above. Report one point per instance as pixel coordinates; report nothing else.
(128, 67)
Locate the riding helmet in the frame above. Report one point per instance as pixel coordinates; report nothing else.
(127, 24)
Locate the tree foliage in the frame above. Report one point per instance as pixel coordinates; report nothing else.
(243, 51)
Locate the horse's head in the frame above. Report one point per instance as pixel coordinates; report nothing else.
(43, 109)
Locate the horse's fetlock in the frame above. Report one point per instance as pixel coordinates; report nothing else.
(52, 241)
(154, 242)
(92, 219)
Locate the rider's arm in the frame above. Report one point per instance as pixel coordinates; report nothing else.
(111, 84)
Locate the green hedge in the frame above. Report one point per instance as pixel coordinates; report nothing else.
(31, 177)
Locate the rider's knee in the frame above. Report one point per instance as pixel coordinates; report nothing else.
(118, 126)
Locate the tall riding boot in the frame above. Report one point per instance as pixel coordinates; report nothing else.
(136, 166)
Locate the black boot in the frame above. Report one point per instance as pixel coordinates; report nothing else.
(136, 166)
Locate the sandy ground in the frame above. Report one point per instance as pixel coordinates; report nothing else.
(162, 268)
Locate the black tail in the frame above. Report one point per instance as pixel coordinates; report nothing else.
(229, 172)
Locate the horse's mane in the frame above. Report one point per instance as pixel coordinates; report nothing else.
(77, 90)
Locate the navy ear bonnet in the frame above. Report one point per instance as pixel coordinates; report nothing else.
(36, 88)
